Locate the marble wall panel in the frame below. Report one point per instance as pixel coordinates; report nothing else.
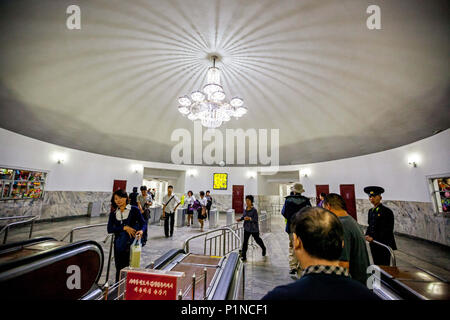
(411, 218)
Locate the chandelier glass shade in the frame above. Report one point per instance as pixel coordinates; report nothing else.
(210, 105)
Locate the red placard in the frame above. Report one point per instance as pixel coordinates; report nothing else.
(149, 286)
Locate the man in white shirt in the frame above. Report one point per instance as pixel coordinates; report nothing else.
(170, 205)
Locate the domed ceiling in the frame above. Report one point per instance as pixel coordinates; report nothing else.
(311, 69)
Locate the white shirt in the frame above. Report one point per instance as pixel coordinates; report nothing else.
(189, 200)
(123, 215)
(203, 201)
(172, 204)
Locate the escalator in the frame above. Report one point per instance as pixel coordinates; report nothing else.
(224, 275)
(44, 268)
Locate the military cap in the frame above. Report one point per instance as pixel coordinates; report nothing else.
(373, 190)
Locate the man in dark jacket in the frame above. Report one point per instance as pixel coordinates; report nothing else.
(318, 241)
(293, 204)
(381, 227)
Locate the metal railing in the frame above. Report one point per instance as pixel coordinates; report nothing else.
(110, 256)
(393, 261)
(80, 228)
(5, 229)
(222, 234)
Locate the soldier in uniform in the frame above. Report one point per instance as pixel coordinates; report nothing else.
(381, 227)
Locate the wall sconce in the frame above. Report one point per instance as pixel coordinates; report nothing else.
(305, 172)
(191, 172)
(59, 157)
(251, 174)
(137, 167)
(413, 160)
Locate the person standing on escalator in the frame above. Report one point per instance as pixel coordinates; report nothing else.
(126, 223)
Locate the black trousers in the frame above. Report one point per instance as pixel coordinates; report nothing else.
(121, 260)
(171, 217)
(380, 255)
(258, 240)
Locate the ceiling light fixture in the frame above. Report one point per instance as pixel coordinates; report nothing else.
(210, 105)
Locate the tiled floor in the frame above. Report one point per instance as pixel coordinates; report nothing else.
(261, 273)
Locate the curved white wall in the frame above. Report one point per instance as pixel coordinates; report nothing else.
(84, 171)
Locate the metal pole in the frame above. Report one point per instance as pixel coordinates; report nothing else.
(193, 286)
(205, 273)
(109, 258)
(6, 235)
(223, 246)
(106, 290)
(71, 236)
(31, 229)
(243, 282)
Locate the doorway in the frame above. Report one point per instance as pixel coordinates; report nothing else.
(119, 184)
(348, 193)
(238, 198)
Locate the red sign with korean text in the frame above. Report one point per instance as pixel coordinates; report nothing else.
(148, 286)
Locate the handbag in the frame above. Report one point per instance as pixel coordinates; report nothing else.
(135, 253)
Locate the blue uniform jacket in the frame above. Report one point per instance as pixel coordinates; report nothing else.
(135, 220)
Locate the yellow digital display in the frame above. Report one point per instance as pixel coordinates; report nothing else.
(220, 181)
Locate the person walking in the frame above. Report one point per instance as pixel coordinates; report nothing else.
(209, 200)
(293, 204)
(125, 222)
(144, 201)
(322, 199)
(251, 227)
(189, 200)
(354, 256)
(170, 205)
(318, 238)
(381, 227)
(133, 197)
(202, 210)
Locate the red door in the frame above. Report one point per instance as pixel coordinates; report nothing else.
(119, 184)
(325, 188)
(238, 199)
(348, 193)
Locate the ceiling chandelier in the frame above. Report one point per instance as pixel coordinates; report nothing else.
(211, 105)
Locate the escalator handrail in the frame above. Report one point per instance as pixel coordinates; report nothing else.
(49, 253)
(225, 280)
(394, 263)
(8, 246)
(165, 258)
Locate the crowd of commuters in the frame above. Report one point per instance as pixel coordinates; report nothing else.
(327, 249)
(330, 249)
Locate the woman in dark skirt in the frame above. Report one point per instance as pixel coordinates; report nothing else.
(202, 210)
(251, 227)
(127, 223)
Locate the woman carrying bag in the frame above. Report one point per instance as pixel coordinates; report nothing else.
(127, 223)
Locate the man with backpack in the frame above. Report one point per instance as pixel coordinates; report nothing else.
(293, 204)
(170, 205)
